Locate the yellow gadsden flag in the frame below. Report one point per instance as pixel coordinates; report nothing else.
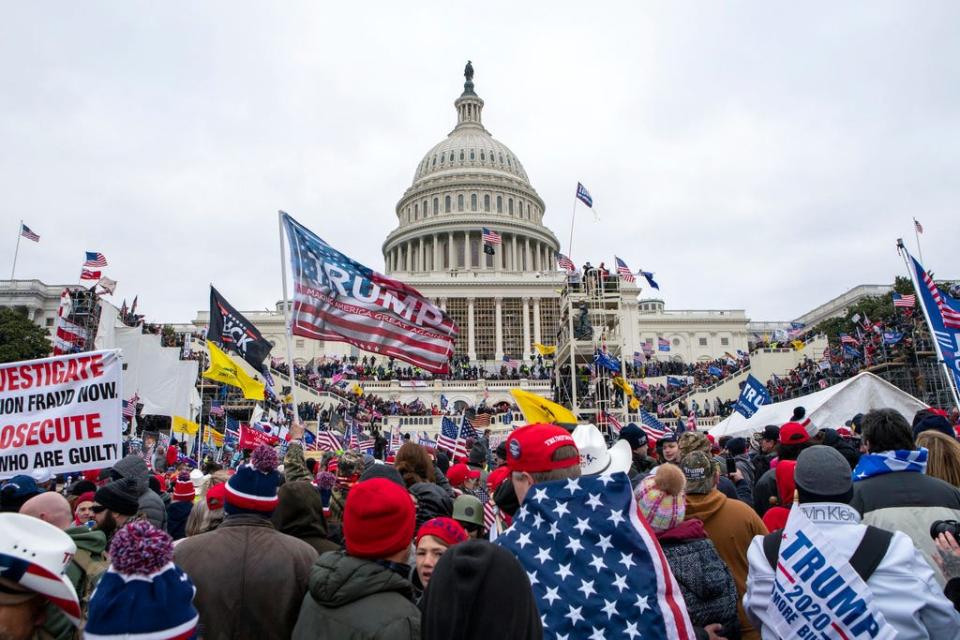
(184, 426)
(224, 369)
(544, 350)
(538, 409)
(798, 345)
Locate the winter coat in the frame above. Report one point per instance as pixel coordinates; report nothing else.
(903, 585)
(294, 464)
(357, 599)
(909, 502)
(177, 514)
(731, 526)
(250, 578)
(84, 571)
(745, 467)
(705, 581)
(151, 505)
(300, 514)
(432, 501)
(766, 488)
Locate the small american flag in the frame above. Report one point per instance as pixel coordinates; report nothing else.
(216, 409)
(565, 263)
(28, 234)
(651, 426)
(917, 226)
(584, 196)
(907, 301)
(623, 271)
(130, 406)
(491, 237)
(449, 438)
(848, 339)
(510, 362)
(613, 423)
(489, 515)
(328, 441)
(95, 259)
(87, 274)
(479, 421)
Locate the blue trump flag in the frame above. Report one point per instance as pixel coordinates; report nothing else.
(752, 397)
(714, 371)
(943, 314)
(604, 360)
(595, 567)
(676, 382)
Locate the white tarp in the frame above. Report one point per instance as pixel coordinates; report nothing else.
(165, 383)
(106, 337)
(831, 407)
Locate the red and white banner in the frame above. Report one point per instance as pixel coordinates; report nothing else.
(62, 414)
(251, 438)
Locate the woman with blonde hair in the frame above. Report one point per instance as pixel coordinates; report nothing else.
(943, 456)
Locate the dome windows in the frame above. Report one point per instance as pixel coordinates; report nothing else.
(473, 202)
(499, 204)
(472, 155)
(446, 204)
(482, 158)
(443, 157)
(461, 155)
(486, 202)
(510, 206)
(460, 202)
(436, 206)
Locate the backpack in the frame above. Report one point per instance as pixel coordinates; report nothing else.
(91, 568)
(865, 559)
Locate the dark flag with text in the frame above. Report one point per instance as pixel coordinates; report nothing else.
(235, 333)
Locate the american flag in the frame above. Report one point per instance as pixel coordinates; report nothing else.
(917, 226)
(951, 316)
(28, 234)
(216, 409)
(328, 441)
(130, 406)
(663, 344)
(479, 421)
(511, 362)
(624, 271)
(491, 237)
(595, 566)
(651, 426)
(613, 423)
(95, 259)
(848, 339)
(338, 299)
(449, 438)
(584, 196)
(87, 274)
(565, 263)
(489, 514)
(908, 301)
(396, 440)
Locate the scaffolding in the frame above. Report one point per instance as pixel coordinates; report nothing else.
(591, 312)
(84, 314)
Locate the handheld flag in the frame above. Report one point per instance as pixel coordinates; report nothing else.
(223, 369)
(94, 259)
(623, 271)
(109, 286)
(943, 317)
(604, 360)
(538, 409)
(545, 350)
(87, 274)
(917, 226)
(565, 263)
(663, 344)
(752, 397)
(594, 564)
(906, 301)
(183, 426)
(584, 196)
(28, 234)
(232, 331)
(336, 298)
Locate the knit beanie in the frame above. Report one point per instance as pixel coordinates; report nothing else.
(737, 446)
(932, 420)
(183, 490)
(446, 530)
(86, 497)
(253, 488)
(387, 471)
(660, 497)
(378, 519)
(142, 594)
(119, 496)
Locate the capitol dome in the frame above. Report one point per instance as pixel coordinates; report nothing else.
(467, 182)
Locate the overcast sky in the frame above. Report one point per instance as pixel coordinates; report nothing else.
(758, 155)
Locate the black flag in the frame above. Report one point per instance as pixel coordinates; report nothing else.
(233, 332)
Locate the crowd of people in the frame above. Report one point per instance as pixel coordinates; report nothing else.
(413, 544)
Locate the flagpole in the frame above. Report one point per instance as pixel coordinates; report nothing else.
(286, 316)
(916, 234)
(573, 216)
(16, 251)
(951, 381)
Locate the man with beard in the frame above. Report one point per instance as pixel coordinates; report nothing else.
(115, 505)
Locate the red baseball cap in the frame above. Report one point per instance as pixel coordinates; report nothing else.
(460, 473)
(495, 477)
(530, 448)
(793, 433)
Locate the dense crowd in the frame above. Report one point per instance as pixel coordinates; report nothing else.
(413, 544)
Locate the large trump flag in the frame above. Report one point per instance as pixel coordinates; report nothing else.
(336, 298)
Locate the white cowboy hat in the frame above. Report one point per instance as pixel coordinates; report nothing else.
(34, 554)
(595, 458)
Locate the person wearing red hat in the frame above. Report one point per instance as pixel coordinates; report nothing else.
(433, 540)
(462, 478)
(83, 510)
(364, 591)
(541, 453)
(794, 438)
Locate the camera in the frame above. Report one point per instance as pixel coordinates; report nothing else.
(945, 526)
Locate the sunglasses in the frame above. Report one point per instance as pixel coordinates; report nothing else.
(98, 508)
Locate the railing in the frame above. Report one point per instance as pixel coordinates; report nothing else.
(706, 389)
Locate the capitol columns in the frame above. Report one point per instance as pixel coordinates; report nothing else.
(436, 252)
(498, 319)
(466, 253)
(471, 332)
(513, 256)
(450, 253)
(526, 329)
(536, 320)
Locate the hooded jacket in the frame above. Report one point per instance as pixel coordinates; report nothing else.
(355, 598)
(177, 514)
(132, 466)
(432, 501)
(479, 591)
(300, 514)
(705, 581)
(84, 571)
(250, 578)
(903, 585)
(731, 525)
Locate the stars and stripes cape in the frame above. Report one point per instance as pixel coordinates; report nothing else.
(596, 567)
(336, 298)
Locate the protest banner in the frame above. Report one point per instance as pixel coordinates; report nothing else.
(251, 438)
(62, 414)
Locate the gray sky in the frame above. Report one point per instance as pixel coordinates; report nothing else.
(754, 155)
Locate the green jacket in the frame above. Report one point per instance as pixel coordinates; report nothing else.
(294, 464)
(357, 599)
(84, 572)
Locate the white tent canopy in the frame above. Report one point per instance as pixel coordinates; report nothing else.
(831, 407)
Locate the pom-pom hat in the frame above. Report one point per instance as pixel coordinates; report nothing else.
(183, 490)
(33, 558)
(253, 488)
(143, 594)
(531, 448)
(378, 519)
(661, 499)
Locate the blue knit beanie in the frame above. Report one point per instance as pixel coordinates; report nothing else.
(253, 488)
